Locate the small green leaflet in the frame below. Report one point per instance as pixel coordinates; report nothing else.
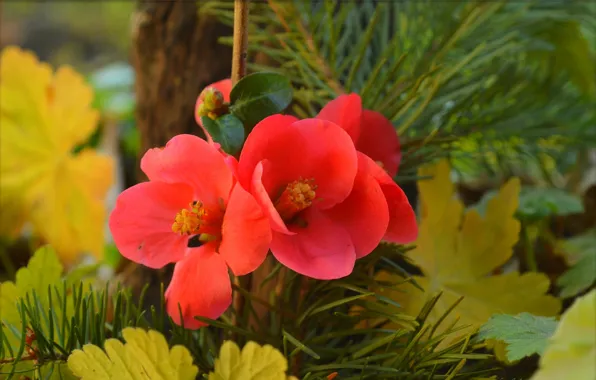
(259, 95)
(525, 334)
(226, 130)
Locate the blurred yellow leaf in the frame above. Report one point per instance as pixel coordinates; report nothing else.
(145, 356)
(458, 251)
(572, 349)
(44, 117)
(253, 363)
(42, 271)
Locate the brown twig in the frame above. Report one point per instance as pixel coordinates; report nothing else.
(240, 47)
(239, 53)
(11, 360)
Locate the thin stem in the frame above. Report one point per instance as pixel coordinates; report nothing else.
(239, 53)
(530, 253)
(240, 47)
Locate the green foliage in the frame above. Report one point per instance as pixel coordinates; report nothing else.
(227, 130)
(525, 334)
(537, 203)
(454, 77)
(259, 95)
(582, 273)
(73, 317)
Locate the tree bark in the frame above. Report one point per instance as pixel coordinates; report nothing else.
(175, 55)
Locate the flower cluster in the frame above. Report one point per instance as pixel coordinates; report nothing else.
(316, 192)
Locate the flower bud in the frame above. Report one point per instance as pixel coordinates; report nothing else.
(211, 103)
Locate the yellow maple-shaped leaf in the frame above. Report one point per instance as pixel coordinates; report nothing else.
(458, 250)
(145, 356)
(42, 271)
(571, 353)
(254, 362)
(44, 116)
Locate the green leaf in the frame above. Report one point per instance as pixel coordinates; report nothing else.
(259, 95)
(580, 251)
(578, 278)
(42, 271)
(525, 334)
(538, 203)
(226, 130)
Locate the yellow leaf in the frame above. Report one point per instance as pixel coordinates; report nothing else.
(458, 251)
(44, 117)
(253, 363)
(572, 348)
(42, 271)
(145, 356)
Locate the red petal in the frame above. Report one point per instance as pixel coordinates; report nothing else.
(201, 286)
(321, 250)
(378, 140)
(141, 223)
(246, 233)
(309, 148)
(345, 111)
(364, 214)
(191, 160)
(263, 199)
(402, 219)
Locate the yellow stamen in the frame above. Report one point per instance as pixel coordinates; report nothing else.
(189, 221)
(297, 196)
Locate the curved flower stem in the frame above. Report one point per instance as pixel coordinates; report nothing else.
(240, 47)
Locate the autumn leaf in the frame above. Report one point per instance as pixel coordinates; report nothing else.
(572, 348)
(254, 362)
(145, 356)
(44, 117)
(458, 251)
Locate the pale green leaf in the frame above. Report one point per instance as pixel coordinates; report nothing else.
(525, 334)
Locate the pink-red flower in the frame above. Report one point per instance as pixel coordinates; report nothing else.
(375, 137)
(191, 212)
(325, 206)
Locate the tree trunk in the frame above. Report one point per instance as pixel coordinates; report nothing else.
(176, 54)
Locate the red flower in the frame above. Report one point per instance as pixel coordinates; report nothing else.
(375, 137)
(325, 207)
(225, 88)
(193, 214)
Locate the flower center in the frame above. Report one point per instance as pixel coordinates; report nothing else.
(297, 196)
(197, 220)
